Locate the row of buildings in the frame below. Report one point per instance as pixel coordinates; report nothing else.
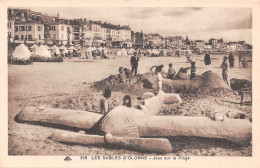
(25, 25)
(158, 41)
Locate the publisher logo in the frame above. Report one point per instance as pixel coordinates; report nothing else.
(67, 159)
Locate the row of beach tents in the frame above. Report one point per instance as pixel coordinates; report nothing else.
(23, 52)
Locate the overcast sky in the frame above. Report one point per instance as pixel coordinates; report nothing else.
(232, 24)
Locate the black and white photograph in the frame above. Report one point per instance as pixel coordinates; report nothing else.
(141, 82)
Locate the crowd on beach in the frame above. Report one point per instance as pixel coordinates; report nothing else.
(125, 75)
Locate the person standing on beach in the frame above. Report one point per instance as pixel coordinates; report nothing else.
(159, 77)
(225, 69)
(207, 59)
(231, 60)
(104, 105)
(134, 63)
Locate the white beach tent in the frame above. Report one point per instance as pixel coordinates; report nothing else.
(65, 51)
(118, 52)
(100, 49)
(123, 51)
(71, 48)
(62, 47)
(131, 51)
(55, 49)
(42, 51)
(33, 47)
(90, 49)
(21, 52)
(47, 47)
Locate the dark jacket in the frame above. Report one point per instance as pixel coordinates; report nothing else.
(134, 61)
(207, 59)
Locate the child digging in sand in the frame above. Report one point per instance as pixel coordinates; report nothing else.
(171, 72)
(104, 105)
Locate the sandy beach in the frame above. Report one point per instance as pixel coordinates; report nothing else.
(69, 85)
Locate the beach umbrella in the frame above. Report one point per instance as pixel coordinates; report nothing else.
(42, 51)
(21, 52)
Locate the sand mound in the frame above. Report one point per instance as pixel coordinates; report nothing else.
(147, 82)
(134, 88)
(213, 80)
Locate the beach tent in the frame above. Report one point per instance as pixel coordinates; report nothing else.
(123, 51)
(21, 52)
(155, 52)
(71, 48)
(62, 47)
(131, 51)
(118, 52)
(55, 49)
(47, 47)
(149, 51)
(33, 46)
(65, 51)
(90, 49)
(100, 49)
(42, 51)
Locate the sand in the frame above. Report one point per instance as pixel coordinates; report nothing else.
(71, 85)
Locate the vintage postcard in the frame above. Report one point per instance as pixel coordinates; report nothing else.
(129, 84)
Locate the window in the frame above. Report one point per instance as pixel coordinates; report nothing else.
(68, 29)
(54, 36)
(62, 36)
(39, 36)
(39, 28)
(29, 28)
(62, 28)
(16, 28)
(9, 34)
(16, 37)
(29, 36)
(76, 29)
(22, 28)
(9, 25)
(22, 37)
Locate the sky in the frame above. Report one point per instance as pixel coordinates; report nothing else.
(232, 24)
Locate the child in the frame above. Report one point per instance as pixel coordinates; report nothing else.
(192, 70)
(127, 101)
(159, 77)
(128, 75)
(104, 105)
(171, 72)
(121, 75)
(225, 69)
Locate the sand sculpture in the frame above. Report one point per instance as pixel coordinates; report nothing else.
(127, 127)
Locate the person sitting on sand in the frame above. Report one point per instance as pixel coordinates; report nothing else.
(225, 69)
(171, 72)
(127, 101)
(121, 75)
(207, 59)
(231, 60)
(128, 75)
(104, 105)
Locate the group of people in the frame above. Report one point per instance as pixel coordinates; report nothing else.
(105, 106)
